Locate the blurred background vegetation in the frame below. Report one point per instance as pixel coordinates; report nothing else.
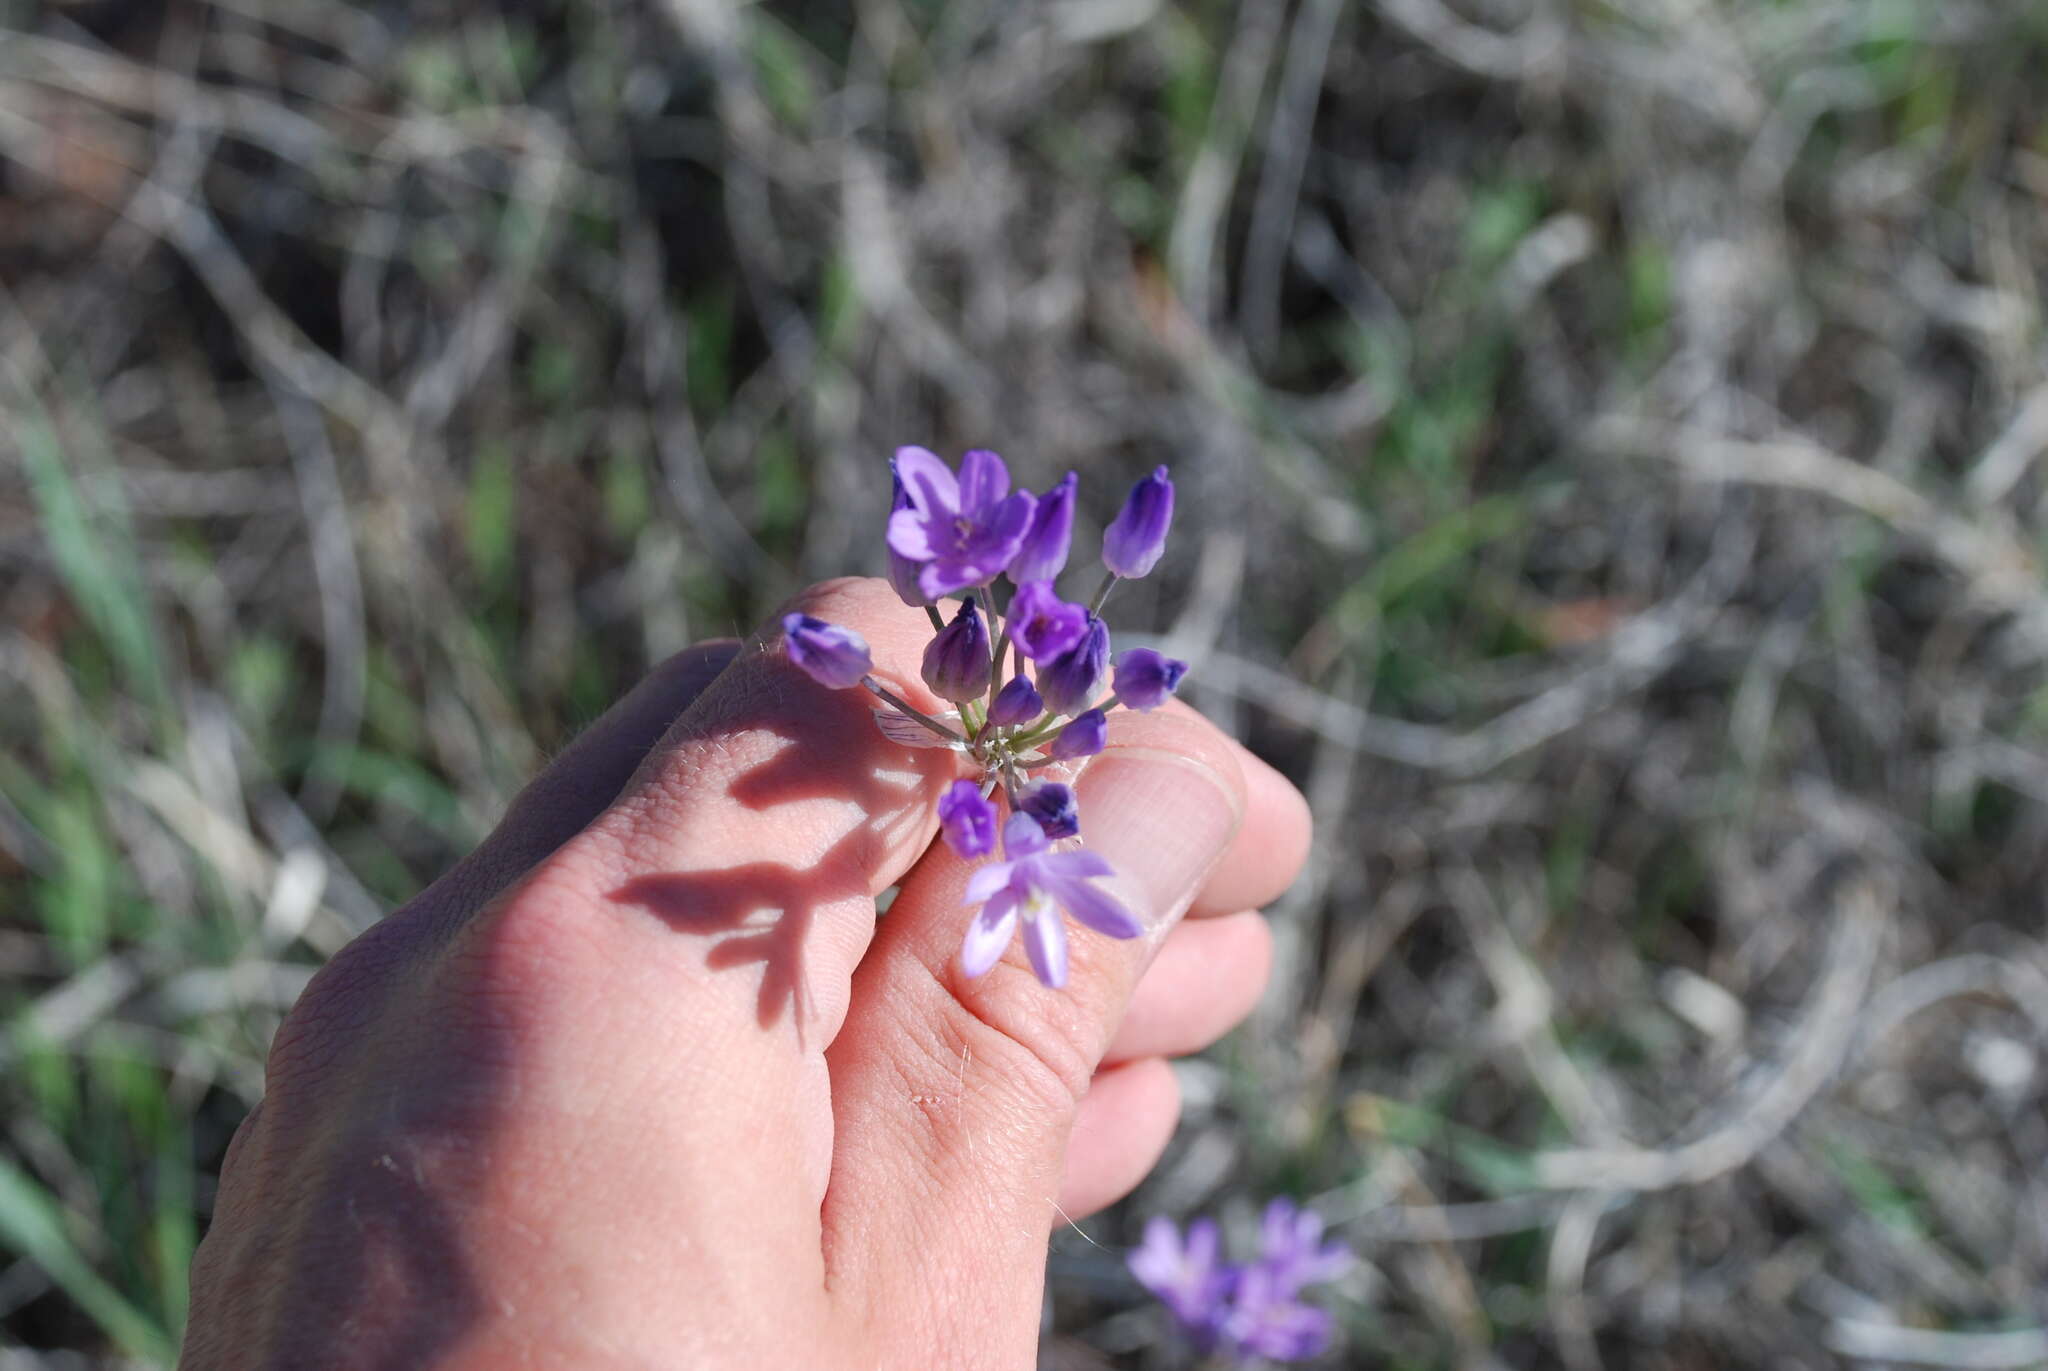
(1611, 441)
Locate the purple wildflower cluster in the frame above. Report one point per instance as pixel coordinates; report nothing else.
(1026, 677)
(1249, 1310)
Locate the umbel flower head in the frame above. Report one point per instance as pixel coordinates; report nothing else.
(1028, 671)
(1248, 1310)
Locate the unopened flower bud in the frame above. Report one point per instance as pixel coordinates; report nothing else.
(1044, 553)
(1070, 682)
(1053, 806)
(828, 654)
(967, 819)
(1083, 737)
(1134, 539)
(1016, 703)
(956, 661)
(1146, 679)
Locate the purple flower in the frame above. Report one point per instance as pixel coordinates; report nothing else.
(1186, 1277)
(1044, 552)
(1084, 736)
(1016, 703)
(1053, 806)
(1071, 681)
(1250, 1309)
(830, 655)
(1266, 1321)
(1294, 1250)
(903, 571)
(1134, 539)
(1145, 679)
(967, 819)
(956, 661)
(1037, 883)
(964, 531)
(1041, 624)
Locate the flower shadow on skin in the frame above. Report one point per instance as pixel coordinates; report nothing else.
(762, 912)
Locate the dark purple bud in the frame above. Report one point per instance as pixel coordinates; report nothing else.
(1134, 539)
(1053, 806)
(1083, 737)
(956, 661)
(967, 820)
(1044, 553)
(902, 570)
(1016, 703)
(1070, 682)
(830, 655)
(1041, 624)
(1146, 679)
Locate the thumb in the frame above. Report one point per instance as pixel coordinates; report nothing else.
(954, 1097)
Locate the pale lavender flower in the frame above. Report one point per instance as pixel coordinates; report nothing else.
(956, 661)
(1134, 539)
(1041, 624)
(828, 654)
(1146, 679)
(1053, 805)
(1084, 736)
(1070, 682)
(1187, 1276)
(1016, 703)
(967, 819)
(1248, 1310)
(1044, 552)
(963, 530)
(1035, 883)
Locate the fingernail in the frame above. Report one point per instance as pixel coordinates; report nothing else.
(1162, 820)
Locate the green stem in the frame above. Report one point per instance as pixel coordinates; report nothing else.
(909, 710)
(938, 620)
(1102, 593)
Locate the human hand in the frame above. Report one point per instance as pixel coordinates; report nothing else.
(644, 1081)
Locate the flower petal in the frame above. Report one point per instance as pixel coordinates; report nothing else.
(988, 934)
(909, 535)
(1090, 904)
(987, 880)
(1076, 864)
(943, 578)
(983, 481)
(1022, 837)
(928, 481)
(1045, 938)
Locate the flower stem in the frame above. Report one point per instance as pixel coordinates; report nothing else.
(938, 620)
(1102, 592)
(911, 711)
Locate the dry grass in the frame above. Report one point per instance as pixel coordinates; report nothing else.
(1611, 440)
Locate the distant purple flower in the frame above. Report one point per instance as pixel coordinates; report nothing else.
(1294, 1250)
(967, 819)
(1248, 1309)
(1084, 736)
(1037, 883)
(1041, 624)
(1187, 1277)
(1146, 679)
(1044, 552)
(963, 530)
(1016, 703)
(1134, 539)
(828, 654)
(956, 660)
(1054, 806)
(1071, 681)
(1266, 1321)
(903, 571)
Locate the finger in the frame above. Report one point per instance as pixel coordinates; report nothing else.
(690, 949)
(954, 1097)
(1269, 849)
(1124, 1123)
(575, 788)
(1208, 975)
